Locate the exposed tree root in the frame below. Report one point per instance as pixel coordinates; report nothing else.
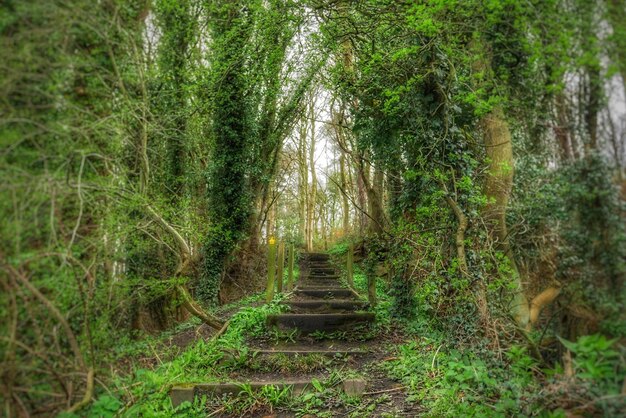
(189, 304)
(540, 301)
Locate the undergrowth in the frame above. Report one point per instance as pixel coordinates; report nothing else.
(144, 391)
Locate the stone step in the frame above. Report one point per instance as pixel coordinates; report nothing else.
(317, 264)
(322, 271)
(188, 392)
(182, 393)
(309, 352)
(314, 257)
(308, 323)
(321, 276)
(336, 293)
(320, 284)
(334, 305)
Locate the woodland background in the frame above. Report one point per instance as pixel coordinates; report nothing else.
(473, 152)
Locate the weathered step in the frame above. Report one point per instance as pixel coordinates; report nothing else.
(188, 392)
(300, 306)
(318, 265)
(322, 271)
(315, 257)
(337, 293)
(320, 322)
(309, 352)
(182, 393)
(320, 284)
(322, 276)
(317, 279)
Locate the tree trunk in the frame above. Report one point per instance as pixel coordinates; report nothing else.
(617, 18)
(270, 228)
(592, 110)
(345, 205)
(303, 181)
(498, 185)
(375, 203)
(313, 189)
(362, 199)
(562, 130)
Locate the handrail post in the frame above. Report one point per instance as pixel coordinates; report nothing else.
(290, 267)
(281, 266)
(349, 266)
(271, 269)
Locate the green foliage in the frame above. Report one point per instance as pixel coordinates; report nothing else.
(470, 383)
(125, 127)
(576, 205)
(105, 406)
(596, 360)
(339, 249)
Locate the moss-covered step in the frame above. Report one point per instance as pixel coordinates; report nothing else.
(315, 257)
(309, 352)
(319, 283)
(324, 293)
(331, 305)
(311, 322)
(321, 277)
(188, 392)
(322, 271)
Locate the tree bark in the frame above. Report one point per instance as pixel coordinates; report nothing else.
(375, 202)
(345, 205)
(498, 185)
(562, 130)
(362, 199)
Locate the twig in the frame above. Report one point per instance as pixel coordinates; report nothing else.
(385, 391)
(217, 411)
(432, 365)
(79, 192)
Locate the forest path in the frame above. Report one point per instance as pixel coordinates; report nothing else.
(323, 347)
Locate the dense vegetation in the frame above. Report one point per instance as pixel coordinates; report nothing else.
(471, 153)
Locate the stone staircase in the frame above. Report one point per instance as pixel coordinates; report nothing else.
(320, 303)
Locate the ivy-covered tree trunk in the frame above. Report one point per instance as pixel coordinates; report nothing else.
(312, 195)
(228, 174)
(177, 26)
(617, 17)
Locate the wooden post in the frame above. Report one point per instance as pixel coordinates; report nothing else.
(371, 289)
(290, 267)
(281, 266)
(350, 267)
(271, 269)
